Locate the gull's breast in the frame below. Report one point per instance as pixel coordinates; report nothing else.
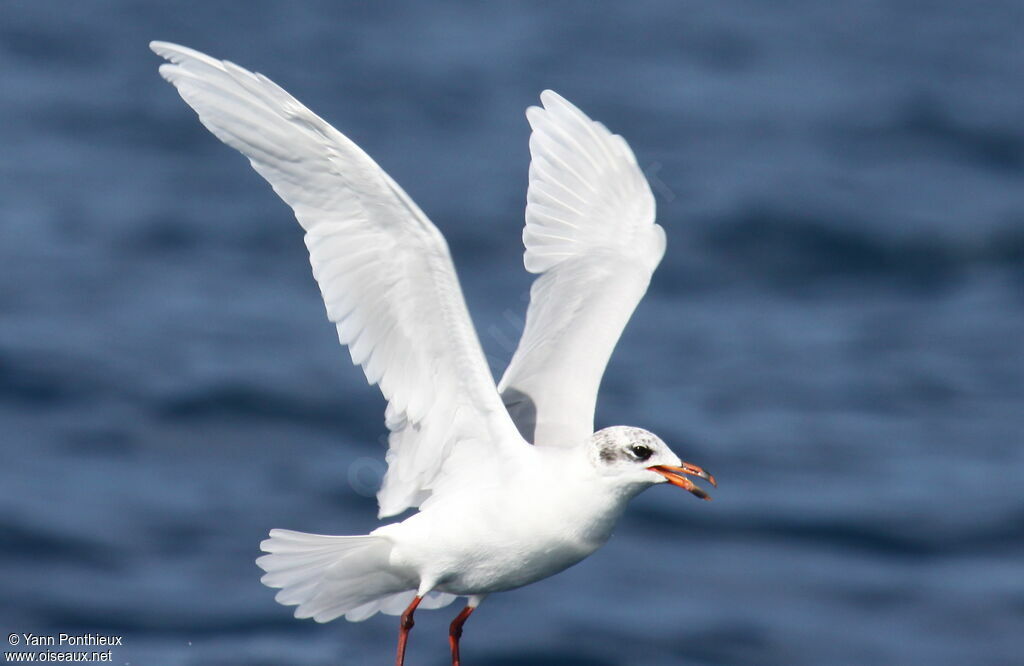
(504, 541)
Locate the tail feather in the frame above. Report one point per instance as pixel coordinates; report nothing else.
(331, 576)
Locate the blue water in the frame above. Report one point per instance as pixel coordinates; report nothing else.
(837, 330)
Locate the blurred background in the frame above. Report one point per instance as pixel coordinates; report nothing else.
(836, 330)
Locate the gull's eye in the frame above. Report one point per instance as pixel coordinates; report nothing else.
(641, 452)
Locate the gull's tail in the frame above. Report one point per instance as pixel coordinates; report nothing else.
(331, 576)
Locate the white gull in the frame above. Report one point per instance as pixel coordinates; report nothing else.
(511, 481)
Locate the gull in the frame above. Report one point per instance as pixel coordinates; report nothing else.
(510, 482)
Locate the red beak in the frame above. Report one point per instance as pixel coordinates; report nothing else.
(676, 476)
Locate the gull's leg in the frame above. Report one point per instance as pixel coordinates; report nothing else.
(403, 629)
(455, 630)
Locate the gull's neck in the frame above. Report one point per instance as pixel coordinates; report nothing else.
(592, 502)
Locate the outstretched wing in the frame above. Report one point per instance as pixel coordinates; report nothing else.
(384, 270)
(590, 234)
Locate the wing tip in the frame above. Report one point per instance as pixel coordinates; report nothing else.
(167, 50)
(179, 55)
(553, 102)
(549, 96)
(553, 106)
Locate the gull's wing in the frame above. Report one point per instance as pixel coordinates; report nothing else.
(384, 270)
(590, 234)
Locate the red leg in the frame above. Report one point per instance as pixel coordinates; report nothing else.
(455, 632)
(403, 629)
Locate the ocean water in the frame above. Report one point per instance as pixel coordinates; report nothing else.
(837, 329)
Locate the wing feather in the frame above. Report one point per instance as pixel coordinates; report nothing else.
(384, 270)
(591, 237)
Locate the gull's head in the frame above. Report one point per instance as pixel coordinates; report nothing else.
(635, 458)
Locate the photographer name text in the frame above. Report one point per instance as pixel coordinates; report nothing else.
(66, 639)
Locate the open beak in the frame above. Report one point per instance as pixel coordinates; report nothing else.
(677, 477)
